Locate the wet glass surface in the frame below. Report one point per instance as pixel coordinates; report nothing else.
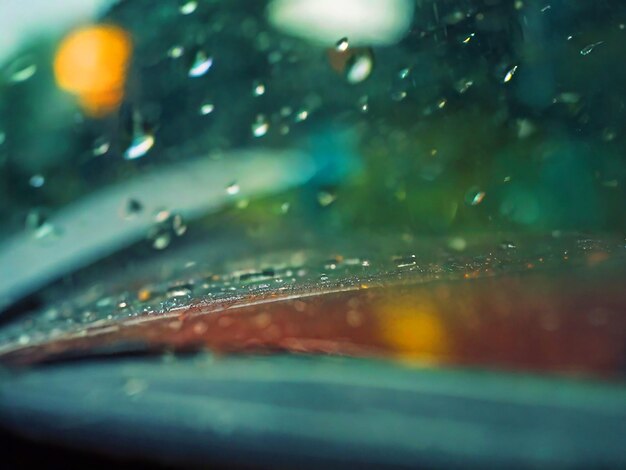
(422, 186)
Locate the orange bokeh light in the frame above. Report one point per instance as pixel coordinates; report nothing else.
(92, 63)
(415, 331)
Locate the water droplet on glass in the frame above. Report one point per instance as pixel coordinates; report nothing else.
(206, 108)
(139, 146)
(342, 45)
(189, 7)
(232, 188)
(468, 38)
(201, 64)
(364, 104)
(37, 223)
(509, 75)
(175, 52)
(507, 245)
(21, 70)
(179, 291)
(178, 225)
(474, 196)
(161, 240)
(100, 146)
(301, 115)
(260, 126)
(589, 49)
(398, 95)
(36, 181)
(360, 66)
(326, 198)
(258, 89)
(161, 216)
(34, 219)
(463, 85)
(132, 208)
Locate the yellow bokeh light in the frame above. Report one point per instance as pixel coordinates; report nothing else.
(414, 331)
(92, 63)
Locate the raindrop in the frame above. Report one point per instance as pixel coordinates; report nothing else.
(468, 38)
(398, 95)
(206, 108)
(463, 85)
(364, 104)
(132, 208)
(142, 141)
(21, 70)
(360, 66)
(161, 240)
(201, 64)
(100, 147)
(178, 225)
(46, 230)
(179, 291)
(166, 225)
(326, 198)
(509, 75)
(474, 196)
(342, 45)
(588, 49)
(35, 219)
(258, 89)
(301, 115)
(139, 146)
(36, 181)
(189, 7)
(161, 216)
(232, 188)
(402, 74)
(260, 126)
(175, 52)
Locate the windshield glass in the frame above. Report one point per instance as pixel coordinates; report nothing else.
(437, 184)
